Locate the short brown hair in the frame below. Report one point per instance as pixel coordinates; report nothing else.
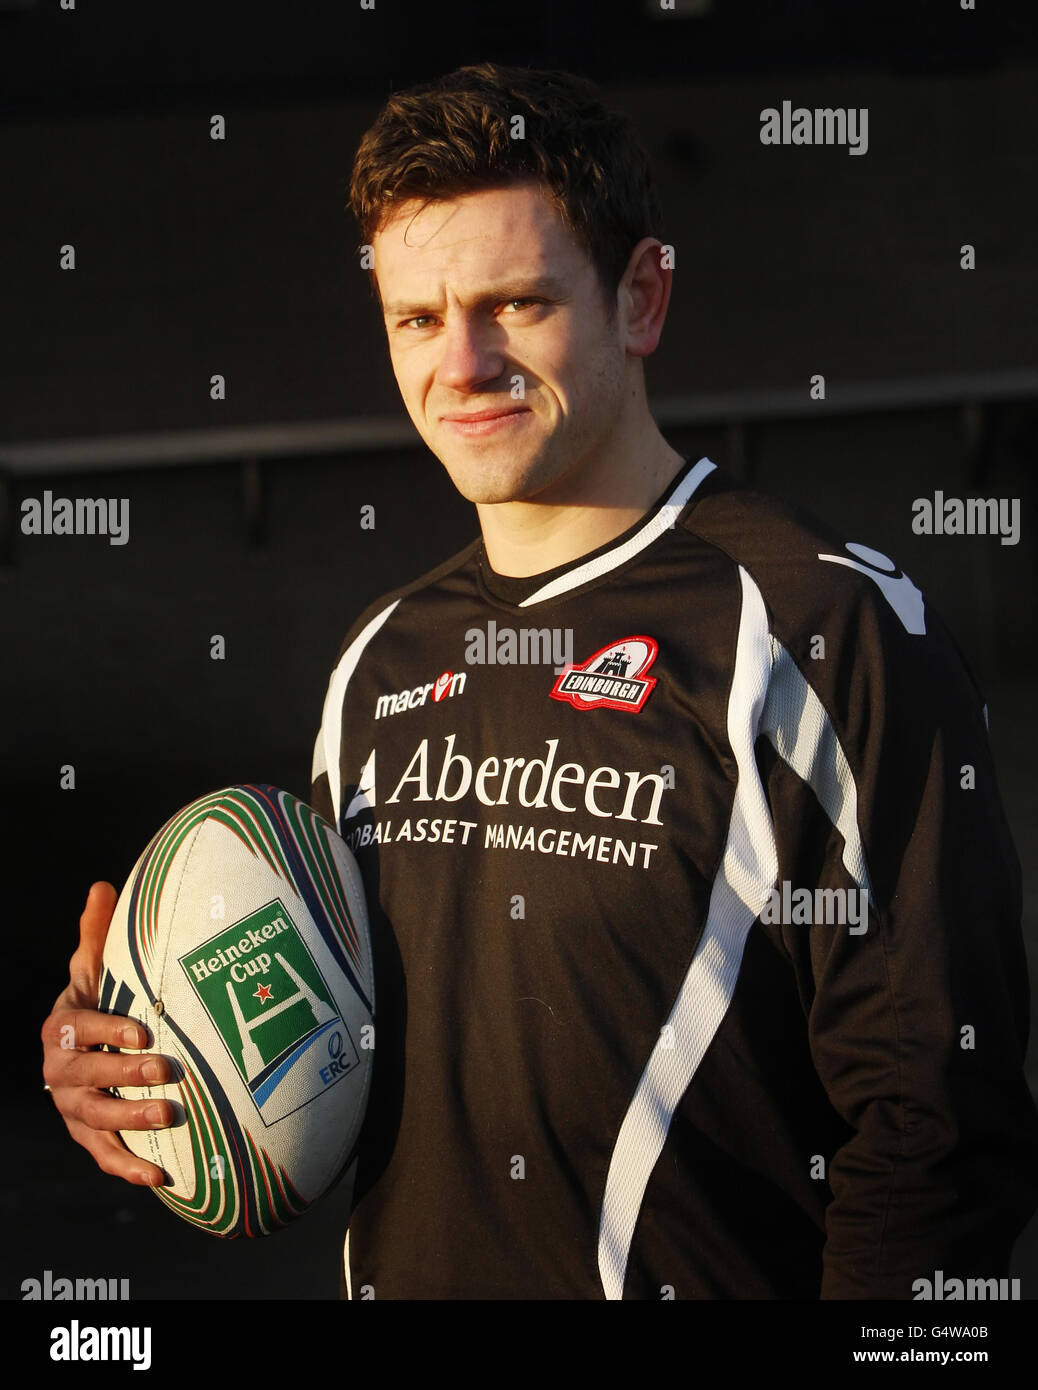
(453, 136)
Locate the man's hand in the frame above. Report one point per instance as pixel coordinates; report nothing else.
(79, 1076)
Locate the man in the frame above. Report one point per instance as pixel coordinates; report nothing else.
(699, 968)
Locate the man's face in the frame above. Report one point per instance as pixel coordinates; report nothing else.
(478, 291)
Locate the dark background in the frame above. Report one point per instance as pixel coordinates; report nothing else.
(196, 257)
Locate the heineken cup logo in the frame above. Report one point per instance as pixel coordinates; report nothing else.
(273, 1010)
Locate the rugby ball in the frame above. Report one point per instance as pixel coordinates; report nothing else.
(241, 941)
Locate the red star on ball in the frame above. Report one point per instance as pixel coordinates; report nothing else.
(262, 993)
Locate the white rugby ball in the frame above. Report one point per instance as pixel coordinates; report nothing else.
(241, 940)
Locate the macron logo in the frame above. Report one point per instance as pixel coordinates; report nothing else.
(447, 684)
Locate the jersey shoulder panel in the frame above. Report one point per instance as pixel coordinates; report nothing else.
(455, 562)
(800, 563)
(827, 594)
(328, 744)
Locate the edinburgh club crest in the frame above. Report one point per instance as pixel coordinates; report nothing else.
(613, 678)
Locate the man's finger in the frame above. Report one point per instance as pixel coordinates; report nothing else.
(71, 1030)
(112, 1156)
(103, 1070)
(94, 1110)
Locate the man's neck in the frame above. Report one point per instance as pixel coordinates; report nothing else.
(524, 538)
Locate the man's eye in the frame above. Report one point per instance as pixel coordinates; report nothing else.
(420, 319)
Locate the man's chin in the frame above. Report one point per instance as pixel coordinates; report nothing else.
(492, 483)
(485, 494)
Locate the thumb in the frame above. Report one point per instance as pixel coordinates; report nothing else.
(85, 966)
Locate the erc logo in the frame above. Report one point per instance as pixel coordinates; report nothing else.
(613, 678)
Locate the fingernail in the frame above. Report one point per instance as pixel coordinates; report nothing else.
(155, 1115)
(151, 1071)
(131, 1037)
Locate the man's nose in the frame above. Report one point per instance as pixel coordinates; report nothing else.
(472, 353)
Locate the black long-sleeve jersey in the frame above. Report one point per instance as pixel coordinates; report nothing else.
(696, 922)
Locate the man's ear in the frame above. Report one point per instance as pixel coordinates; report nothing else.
(644, 293)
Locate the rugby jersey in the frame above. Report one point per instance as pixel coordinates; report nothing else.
(696, 923)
